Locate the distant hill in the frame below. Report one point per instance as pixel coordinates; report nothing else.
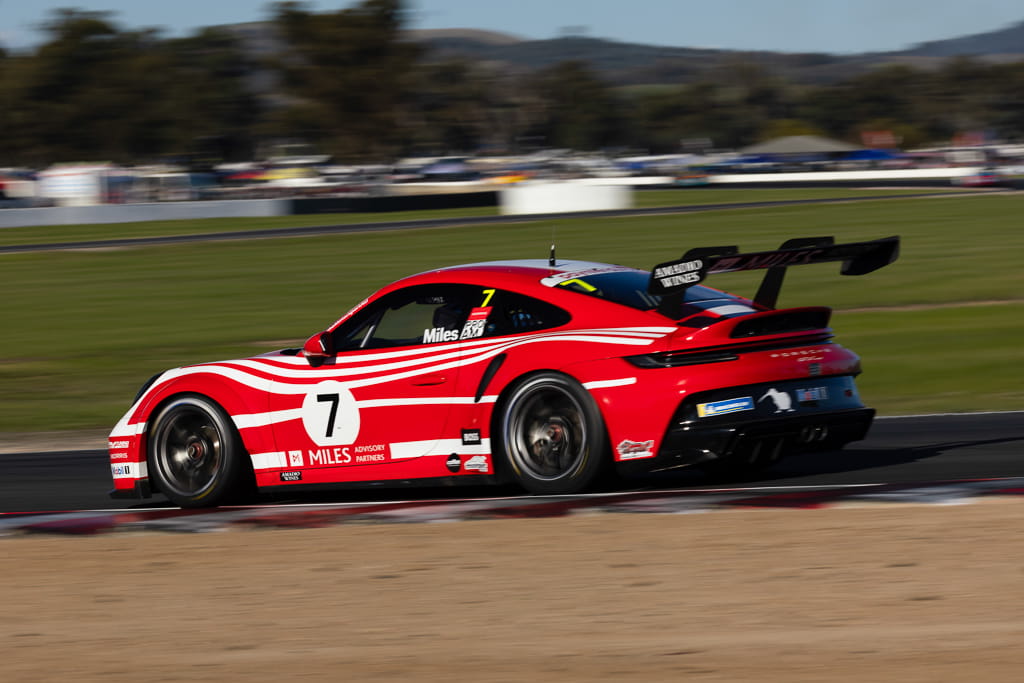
(631, 64)
(637, 64)
(1007, 41)
(620, 63)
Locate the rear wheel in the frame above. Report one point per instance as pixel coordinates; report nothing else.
(552, 435)
(196, 455)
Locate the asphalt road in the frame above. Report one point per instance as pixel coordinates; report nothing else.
(898, 450)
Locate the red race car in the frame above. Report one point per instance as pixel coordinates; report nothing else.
(549, 373)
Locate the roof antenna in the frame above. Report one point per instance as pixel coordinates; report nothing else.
(551, 259)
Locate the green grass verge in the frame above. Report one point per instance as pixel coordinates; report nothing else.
(82, 330)
(949, 359)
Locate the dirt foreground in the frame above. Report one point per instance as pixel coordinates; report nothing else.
(874, 593)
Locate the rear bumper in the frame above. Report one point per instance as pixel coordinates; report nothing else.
(758, 424)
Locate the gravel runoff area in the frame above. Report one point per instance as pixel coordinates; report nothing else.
(32, 442)
(875, 592)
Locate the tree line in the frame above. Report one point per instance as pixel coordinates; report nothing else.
(351, 84)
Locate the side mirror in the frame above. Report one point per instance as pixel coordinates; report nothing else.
(318, 348)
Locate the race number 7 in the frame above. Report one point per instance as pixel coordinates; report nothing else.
(333, 399)
(330, 414)
(488, 293)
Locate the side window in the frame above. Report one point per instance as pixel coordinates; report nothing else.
(514, 313)
(429, 314)
(418, 315)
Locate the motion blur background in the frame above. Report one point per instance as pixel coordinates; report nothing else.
(335, 113)
(333, 97)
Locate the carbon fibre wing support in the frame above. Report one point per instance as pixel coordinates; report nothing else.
(671, 279)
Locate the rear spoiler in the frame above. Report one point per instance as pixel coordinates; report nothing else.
(671, 279)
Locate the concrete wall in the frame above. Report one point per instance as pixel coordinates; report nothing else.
(134, 213)
(237, 208)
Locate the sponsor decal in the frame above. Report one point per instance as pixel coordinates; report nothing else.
(119, 456)
(731, 405)
(812, 395)
(295, 459)
(453, 463)
(789, 257)
(291, 476)
(439, 334)
(471, 437)
(322, 457)
(814, 369)
(630, 450)
(480, 313)
(376, 452)
(478, 463)
(678, 273)
(350, 312)
(783, 401)
(345, 455)
(473, 329)
(121, 470)
(119, 444)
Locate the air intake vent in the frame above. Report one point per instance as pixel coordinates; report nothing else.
(783, 322)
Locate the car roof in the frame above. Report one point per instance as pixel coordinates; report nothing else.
(526, 275)
(532, 270)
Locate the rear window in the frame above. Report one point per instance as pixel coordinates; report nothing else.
(629, 288)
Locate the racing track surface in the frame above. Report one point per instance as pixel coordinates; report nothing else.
(922, 453)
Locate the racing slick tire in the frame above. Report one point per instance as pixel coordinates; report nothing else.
(551, 435)
(196, 456)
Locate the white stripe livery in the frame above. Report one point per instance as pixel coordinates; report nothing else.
(292, 375)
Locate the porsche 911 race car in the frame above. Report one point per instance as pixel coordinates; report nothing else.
(549, 373)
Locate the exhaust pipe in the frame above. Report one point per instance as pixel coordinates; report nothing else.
(813, 434)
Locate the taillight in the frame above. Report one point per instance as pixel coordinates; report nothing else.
(723, 354)
(676, 360)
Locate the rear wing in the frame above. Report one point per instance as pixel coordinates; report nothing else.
(671, 279)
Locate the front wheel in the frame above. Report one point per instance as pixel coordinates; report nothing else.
(196, 454)
(552, 435)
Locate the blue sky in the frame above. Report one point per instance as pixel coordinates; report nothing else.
(833, 26)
